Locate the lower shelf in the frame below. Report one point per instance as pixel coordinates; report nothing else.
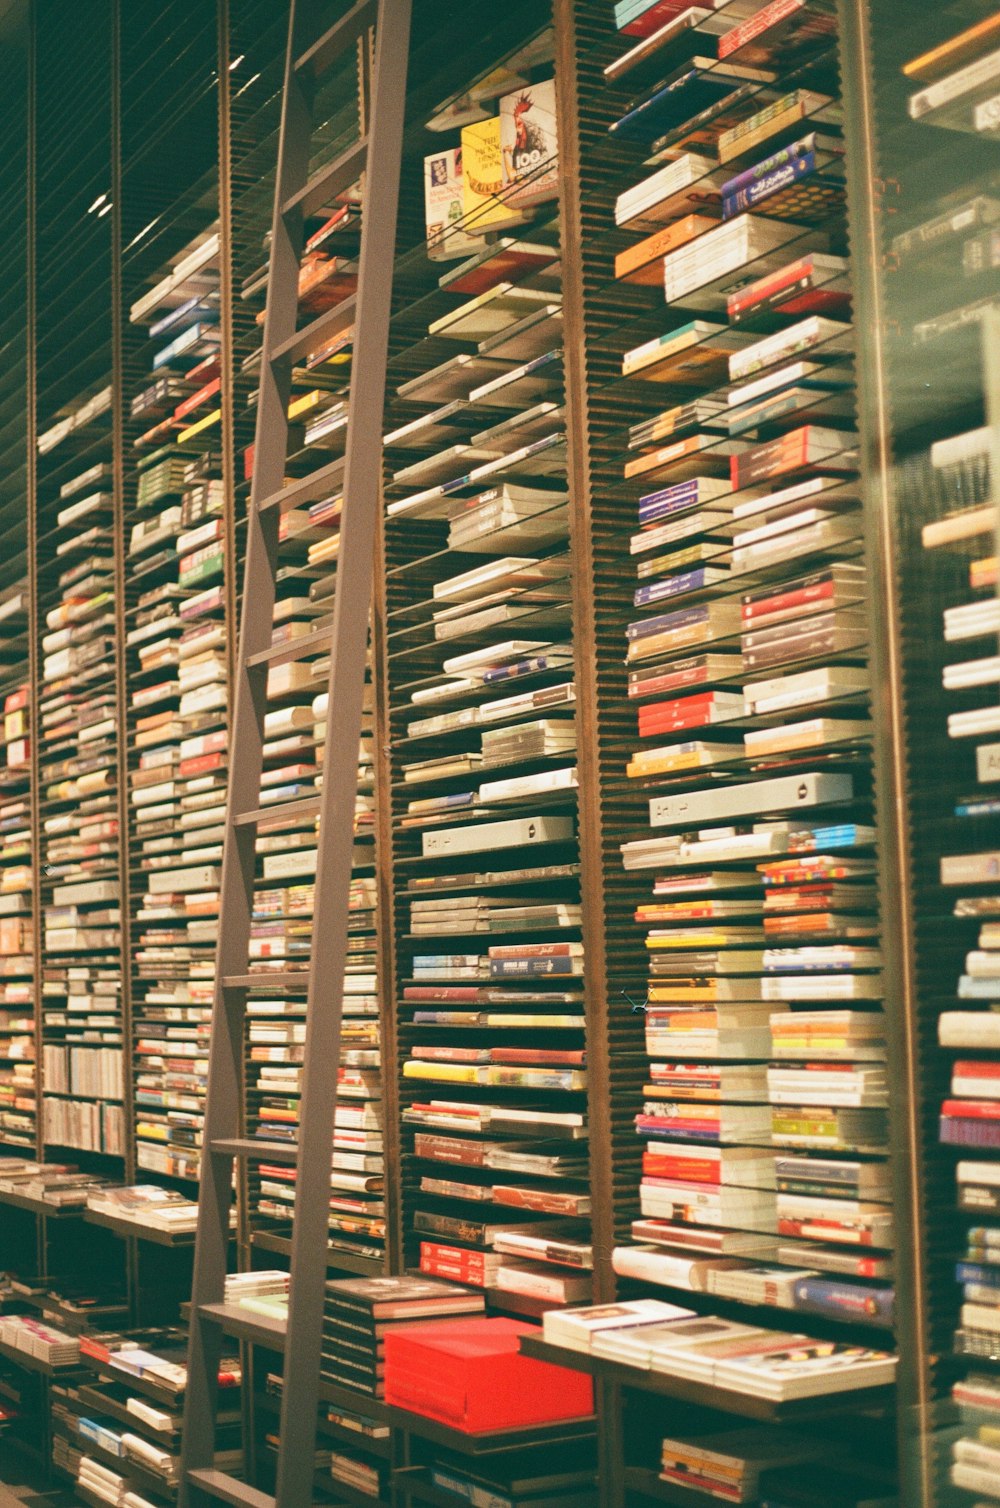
(648, 1483)
(565, 1431)
(707, 1395)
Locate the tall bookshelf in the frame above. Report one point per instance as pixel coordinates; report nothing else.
(173, 143)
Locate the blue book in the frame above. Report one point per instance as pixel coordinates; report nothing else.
(771, 183)
(194, 309)
(676, 586)
(676, 100)
(190, 345)
(850, 1301)
(677, 498)
(779, 159)
(978, 1272)
(986, 806)
(683, 618)
(521, 968)
(531, 666)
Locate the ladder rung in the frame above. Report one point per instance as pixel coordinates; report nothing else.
(317, 58)
(307, 489)
(260, 1329)
(272, 1151)
(282, 814)
(227, 1489)
(268, 979)
(328, 181)
(309, 339)
(294, 649)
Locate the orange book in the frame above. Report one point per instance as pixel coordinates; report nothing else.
(641, 263)
(983, 572)
(957, 51)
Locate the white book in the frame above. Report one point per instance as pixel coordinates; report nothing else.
(758, 796)
(982, 73)
(973, 1029)
(576, 1329)
(514, 833)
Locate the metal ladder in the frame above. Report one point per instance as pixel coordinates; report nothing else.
(358, 475)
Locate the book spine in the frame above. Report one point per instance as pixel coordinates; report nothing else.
(782, 158)
(769, 183)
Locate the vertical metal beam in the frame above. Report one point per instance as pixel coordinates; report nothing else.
(352, 603)
(385, 971)
(120, 577)
(894, 855)
(225, 1068)
(584, 596)
(34, 607)
(228, 436)
(31, 503)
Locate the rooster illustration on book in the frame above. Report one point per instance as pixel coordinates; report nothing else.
(530, 146)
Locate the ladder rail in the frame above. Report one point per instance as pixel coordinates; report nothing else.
(348, 657)
(224, 1087)
(223, 1136)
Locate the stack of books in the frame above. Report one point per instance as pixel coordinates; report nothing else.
(78, 760)
(492, 965)
(178, 701)
(764, 1121)
(730, 1465)
(43, 1342)
(18, 1099)
(295, 729)
(359, 1312)
(147, 1205)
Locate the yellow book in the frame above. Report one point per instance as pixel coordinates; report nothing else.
(195, 429)
(482, 176)
(454, 1073)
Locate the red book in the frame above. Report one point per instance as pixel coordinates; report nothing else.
(460, 1255)
(449, 1054)
(802, 596)
(205, 370)
(197, 399)
(200, 764)
(470, 1375)
(766, 287)
(982, 1110)
(656, 16)
(456, 1272)
(469, 1154)
(976, 1070)
(545, 1201)
(674, 680)
(431, 994)
(760, 22)
(650, 725)
(681, 1170)
(825, 1228)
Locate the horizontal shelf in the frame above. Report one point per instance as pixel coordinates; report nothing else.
(132, 1229)
(560, 1432)
(35, 1363)
(339, 1261)
(40, 1206)
(706, 1395)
